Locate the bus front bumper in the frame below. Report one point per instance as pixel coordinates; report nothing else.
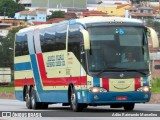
(118, 97)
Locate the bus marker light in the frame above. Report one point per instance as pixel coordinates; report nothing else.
(97, 89)
(144, 89)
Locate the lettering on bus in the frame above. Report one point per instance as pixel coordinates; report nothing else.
(55, 60)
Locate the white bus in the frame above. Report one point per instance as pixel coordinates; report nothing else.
(81, 62)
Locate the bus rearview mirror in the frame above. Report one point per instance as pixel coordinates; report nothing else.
(86, 39)
(153, 35)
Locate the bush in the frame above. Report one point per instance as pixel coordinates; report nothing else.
(156, 82)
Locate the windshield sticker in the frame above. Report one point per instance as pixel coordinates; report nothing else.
(121, 31)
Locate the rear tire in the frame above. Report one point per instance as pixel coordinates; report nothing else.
(28, 100)
(75, 106)
(34, 103)
(129, 106)
(84, 105)
(44, 105)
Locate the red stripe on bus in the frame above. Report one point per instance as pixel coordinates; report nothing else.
(137, 83)
(22, 82)
(41, 67)
(105, 83)
(65, 81)
(80, 80)
(53, 81)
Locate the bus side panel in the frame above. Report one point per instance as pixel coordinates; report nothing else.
(75, 69)
(22, 75)
(19, 95)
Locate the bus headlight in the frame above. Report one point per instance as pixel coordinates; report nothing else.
(144, 89)
(97, 89)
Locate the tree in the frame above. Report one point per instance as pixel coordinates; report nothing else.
(154, 24)
(56, 14)
(9, 8)
(7, 48)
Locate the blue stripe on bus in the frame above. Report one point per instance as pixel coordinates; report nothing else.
(22, 66)
(36, 72)
(146, 83)
(96, 82)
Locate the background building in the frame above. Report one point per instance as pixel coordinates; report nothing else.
(26, 3)
(114, 10)
(59, 3)
(38, 15)
(140, 13)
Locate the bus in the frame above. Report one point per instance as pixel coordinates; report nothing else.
(79, 63)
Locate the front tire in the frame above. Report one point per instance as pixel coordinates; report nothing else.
(129, 106)
(75, 106)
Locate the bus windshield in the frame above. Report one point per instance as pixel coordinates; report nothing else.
(118, 48)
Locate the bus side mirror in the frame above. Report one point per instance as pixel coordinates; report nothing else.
(153, 35)
(86, 39)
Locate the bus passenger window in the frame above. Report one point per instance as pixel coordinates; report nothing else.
(21, 47)
(54, 38)
(74, 40)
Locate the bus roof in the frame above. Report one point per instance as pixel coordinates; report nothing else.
(84, 21)
(98, 19)
(31, 28)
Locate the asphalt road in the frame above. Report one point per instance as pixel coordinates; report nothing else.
(18, 110)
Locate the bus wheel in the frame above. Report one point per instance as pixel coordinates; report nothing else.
(84, 105)
(34, 103)
(75, 106)
(28, 100)
(129, 106)
(44, 106)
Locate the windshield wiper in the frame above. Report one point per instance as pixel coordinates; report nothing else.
(117, 69)
(139, 71)
(99, 73)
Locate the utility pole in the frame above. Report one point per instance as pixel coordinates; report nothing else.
(4, 11)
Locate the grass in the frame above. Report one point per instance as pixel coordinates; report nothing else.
(6, 89)
(156, 85)
(155, 89)
(9, 88)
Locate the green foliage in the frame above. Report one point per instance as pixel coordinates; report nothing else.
(7, 48)
(156, 85)
(156, 82)
(9, 8)
(56, 14)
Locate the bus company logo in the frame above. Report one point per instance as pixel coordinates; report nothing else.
(122, 82)
(121, 75)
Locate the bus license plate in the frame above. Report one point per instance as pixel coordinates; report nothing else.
(121, 98)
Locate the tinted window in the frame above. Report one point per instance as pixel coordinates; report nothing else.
(61, 36)
(21, 47)
(53, 38)
(75, 38)
(157, 66)
(118, 47)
